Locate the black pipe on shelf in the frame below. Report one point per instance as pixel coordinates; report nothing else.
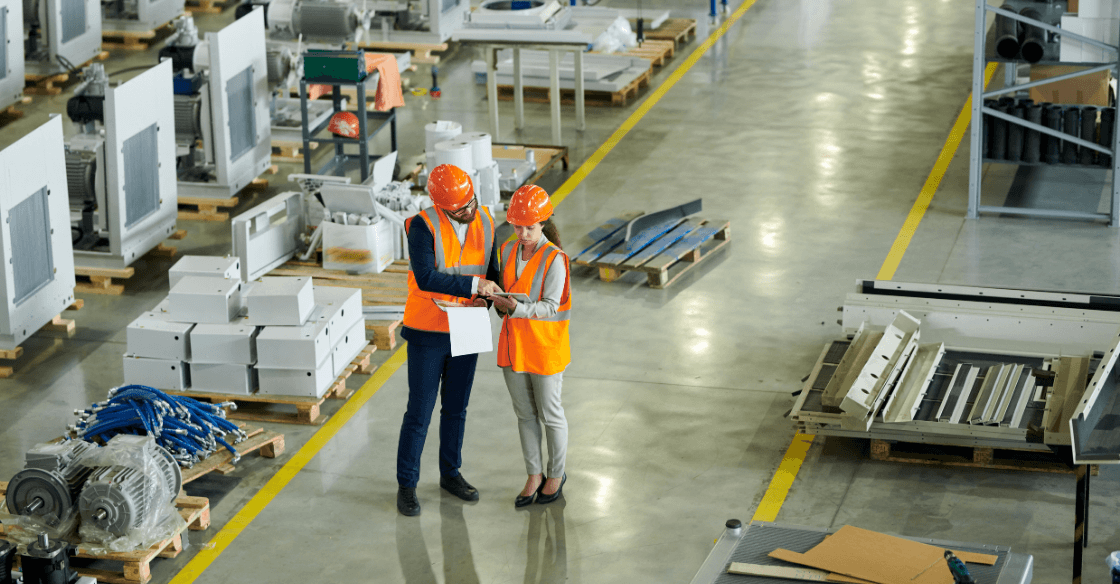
(1052, 115)
(1007, 34)
(1071, 124)
(998, 146)
(1032, 139)
(1033, 39)
(1089, 133)
(1015, 134)
(1108, 126)
(986, 145)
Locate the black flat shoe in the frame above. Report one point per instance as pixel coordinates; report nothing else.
(459, 487)
(407, 503)
(526, 501)
(543, 499)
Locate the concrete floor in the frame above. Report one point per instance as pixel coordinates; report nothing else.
(811, 126)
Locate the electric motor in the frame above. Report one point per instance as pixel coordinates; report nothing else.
(49, 485)
(188, 119)
(279, 65)
(127, 496)
(326, 19)
(47, 562)
(81, 172)
(7, 562)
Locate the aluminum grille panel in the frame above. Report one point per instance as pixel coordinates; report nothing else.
(242, 120)
(141, 175)
(29, 223)
(760, 540)
(73, 19)
(3, 42)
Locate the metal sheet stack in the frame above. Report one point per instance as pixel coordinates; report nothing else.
(215, 333)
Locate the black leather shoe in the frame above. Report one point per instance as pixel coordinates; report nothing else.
(407, 503)
(459, 487)
(526, 501)
(543, 498)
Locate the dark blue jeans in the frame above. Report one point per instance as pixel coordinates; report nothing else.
(431, 371)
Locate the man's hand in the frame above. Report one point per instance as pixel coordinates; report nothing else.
(478, 302)
(504, 303)
(487, 287)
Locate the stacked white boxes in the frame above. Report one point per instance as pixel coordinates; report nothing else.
(215, 333)
(304, 360)
(1095, 19)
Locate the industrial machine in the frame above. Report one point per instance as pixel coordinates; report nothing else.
(222, 131)
(121, 166)
(60, 35)
(136, 492)
(11, 53)
(37, 271)
(139, 15)
(417, 21)
(285, 67)
(52, 479)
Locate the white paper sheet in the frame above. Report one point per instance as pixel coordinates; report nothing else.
(470, 330)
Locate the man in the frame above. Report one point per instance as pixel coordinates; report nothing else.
(451, 262)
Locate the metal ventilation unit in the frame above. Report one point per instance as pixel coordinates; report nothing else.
(221, 106)
(60, 34)
(36, 261)
(11, 52)
(139, 15)
(121, 167)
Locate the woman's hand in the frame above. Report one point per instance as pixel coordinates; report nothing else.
(478, 302)
(504, 303)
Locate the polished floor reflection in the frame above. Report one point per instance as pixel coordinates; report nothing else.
(810, 126)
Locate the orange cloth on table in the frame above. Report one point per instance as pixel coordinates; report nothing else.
(388, 94)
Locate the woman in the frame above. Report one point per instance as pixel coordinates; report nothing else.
(533, 347)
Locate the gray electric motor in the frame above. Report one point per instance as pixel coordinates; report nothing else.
(133, 493)
(49, 485)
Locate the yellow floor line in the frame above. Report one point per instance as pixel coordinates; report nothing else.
(601, 152)
(249, 512)
(782, 481)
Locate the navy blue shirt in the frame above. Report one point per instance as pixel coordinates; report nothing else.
(422, 261)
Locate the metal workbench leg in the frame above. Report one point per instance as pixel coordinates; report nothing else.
(518, 92)
(492, 88)
(976, 140)
(306, 129)
(554, 93)
(363, 127)
(393, 130)
(1081, 516)
(581, 122)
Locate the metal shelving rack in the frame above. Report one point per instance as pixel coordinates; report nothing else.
(979, 111)
(339, 162)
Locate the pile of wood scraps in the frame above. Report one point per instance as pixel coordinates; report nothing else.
(860, 556)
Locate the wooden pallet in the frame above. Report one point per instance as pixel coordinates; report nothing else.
(390, 287)
(545, 156)
(970, 457)
(590, 97)
(678, 30)
(101, 280)
(657, 52)
(664, 253)
(284, 151)
(384, 333)
(11, 113)
(132, 40)
(263, 408)
(50, 84)
(421, 52)
(205, 209)
(270, 444)
(57, 324)
(136, 565)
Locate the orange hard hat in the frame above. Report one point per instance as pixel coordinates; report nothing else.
(529, 205)
(344, 124)
(450, 187)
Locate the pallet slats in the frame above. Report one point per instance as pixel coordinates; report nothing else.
(618, 98)
(653, 250)
(207, 208)
(623, 252)
(269, 443)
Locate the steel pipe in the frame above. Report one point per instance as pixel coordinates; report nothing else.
(1071, 125)
(1053, 120)
(1108, 127)
(1032, 39)
(1088, 132)
(1015, 134)
(1032, 139)
(1007, 35)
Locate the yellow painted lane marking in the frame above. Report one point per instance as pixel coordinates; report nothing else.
(249, 512)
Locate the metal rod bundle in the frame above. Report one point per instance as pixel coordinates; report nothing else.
(189, 429)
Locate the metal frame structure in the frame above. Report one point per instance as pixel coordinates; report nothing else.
(131, 109)
(980, 60)
(11, 52)
(37, 271)
(60, 43)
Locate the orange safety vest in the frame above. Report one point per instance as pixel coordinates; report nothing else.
(469, 259)
(535, 345)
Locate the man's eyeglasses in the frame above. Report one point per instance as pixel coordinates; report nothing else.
(465, 210)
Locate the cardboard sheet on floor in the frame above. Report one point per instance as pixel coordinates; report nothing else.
(880, 558)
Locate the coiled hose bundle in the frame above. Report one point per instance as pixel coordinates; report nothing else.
(187, 428)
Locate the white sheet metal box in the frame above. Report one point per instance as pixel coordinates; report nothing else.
(298, 382)
(205, 300)
(155, 338)
(230, 344)
(280, 301)
(349, 347)
(358, 249)
(296, 347)
(228, 268)
(343, 308)
(223, 378)
(158, 373)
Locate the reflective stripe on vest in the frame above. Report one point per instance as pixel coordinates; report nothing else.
(471, 259)
(534, 345)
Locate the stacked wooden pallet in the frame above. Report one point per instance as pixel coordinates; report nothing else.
(677, 30)
(136, 40)
(57, 324)
(106, 281)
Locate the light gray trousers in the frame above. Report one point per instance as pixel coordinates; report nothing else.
(536, 401)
